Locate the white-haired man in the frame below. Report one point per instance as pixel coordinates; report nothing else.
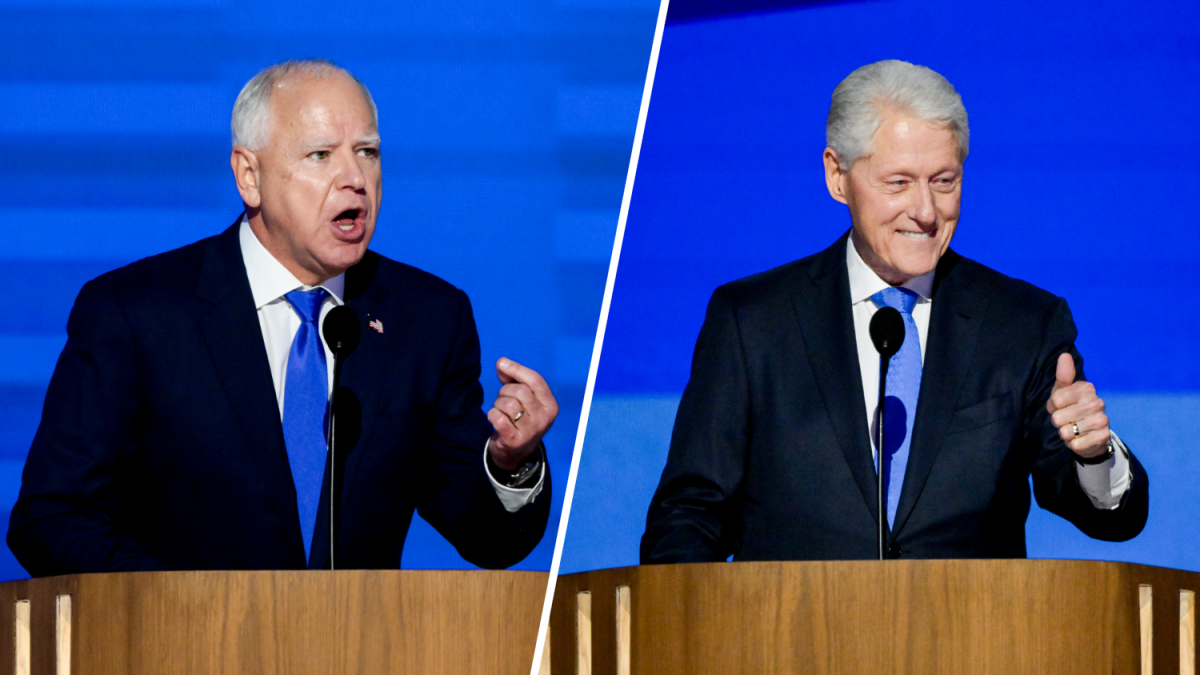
(185, 424)
(772, 455)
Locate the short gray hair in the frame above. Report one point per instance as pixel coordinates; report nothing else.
(252, 109)
(862, 99)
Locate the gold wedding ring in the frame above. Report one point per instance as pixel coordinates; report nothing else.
(1075, 429)
(522, 414)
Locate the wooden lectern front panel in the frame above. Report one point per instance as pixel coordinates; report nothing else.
(290, 623)
(921, 617)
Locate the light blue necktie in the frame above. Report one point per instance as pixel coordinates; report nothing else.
(903, 388)
(306, 395)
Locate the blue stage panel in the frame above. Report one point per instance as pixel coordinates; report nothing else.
(627, 436)
(112, 108)
(82, 234)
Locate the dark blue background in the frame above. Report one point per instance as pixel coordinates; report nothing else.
(507, 128)
(1083, 178)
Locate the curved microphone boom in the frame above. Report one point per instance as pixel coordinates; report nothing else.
(341, 331)
(887, 333)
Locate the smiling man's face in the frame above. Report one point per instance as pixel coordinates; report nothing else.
(904, 196)
(312, 192)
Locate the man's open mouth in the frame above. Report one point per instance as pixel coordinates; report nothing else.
(346, 219)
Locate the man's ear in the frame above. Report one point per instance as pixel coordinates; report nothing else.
(245, 171)
(835, 178)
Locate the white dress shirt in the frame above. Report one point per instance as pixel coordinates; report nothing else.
(1104, 483)
(270, 282)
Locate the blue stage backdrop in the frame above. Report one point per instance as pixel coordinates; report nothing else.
(1082, 179)
(507, 129)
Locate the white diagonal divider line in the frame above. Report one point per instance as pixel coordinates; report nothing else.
(596, 348)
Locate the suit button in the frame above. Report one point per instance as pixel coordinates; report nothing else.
(894, 551)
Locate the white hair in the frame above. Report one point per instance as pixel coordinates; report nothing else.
(252, 109)
(862, 99)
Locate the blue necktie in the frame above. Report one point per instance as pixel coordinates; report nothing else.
(903, 388)
(305, 397)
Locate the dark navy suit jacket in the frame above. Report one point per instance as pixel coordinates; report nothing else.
(770, 457)
(160, 445)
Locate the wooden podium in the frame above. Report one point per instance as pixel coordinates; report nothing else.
(922, 616)
(157, 623)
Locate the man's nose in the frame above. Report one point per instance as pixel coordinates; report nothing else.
(921, 210)
(350, 174)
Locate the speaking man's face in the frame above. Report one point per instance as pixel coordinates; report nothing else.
(904, 196)
(318, 177)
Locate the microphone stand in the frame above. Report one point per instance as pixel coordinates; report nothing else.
(887, 333)
(883, 368)
(337, 372)
(341, 333)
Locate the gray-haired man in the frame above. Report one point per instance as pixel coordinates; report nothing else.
(185, 424)
(772, 456)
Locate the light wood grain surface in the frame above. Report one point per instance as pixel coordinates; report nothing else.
(22, 656)
(292, 623)
(921, 617)
(583, 633)
(1187, 632)
(624, 630)
(62, 635)
(1146, 626)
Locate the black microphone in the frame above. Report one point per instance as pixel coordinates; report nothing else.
(887, 332)
(341, 331)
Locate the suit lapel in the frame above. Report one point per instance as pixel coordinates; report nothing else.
(827, 324)
(235, 345)
(957, 314)
(363, 372)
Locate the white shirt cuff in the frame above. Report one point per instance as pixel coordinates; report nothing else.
(1106, 483)
(514, 499)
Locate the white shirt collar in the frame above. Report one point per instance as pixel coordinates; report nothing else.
(864, 282)
(269, 279)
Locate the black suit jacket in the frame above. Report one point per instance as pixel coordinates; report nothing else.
(161, 447)
(770, 457)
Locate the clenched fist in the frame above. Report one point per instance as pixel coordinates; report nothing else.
(523, 412)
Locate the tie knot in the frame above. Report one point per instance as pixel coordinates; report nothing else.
(307, 303)
(900, 299)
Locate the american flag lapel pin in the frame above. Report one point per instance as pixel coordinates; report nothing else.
(377, 325)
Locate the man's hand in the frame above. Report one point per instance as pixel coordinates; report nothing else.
(1074, 407)
(523, 412)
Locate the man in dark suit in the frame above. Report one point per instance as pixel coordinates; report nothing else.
(184, 426)
(772, 455)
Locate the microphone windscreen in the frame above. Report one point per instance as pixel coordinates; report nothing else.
(341, 330)
(887, 331)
